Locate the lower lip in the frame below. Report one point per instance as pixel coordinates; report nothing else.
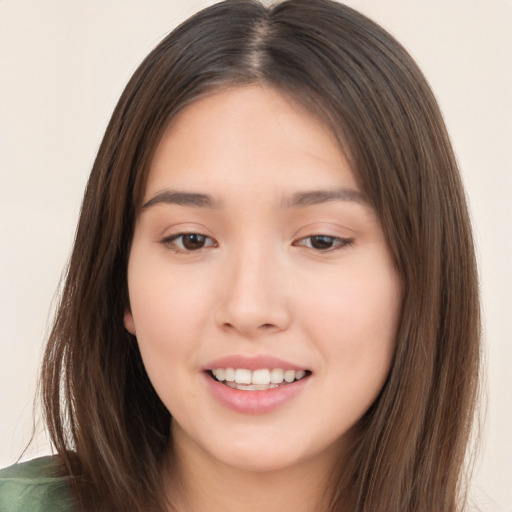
(254, 402)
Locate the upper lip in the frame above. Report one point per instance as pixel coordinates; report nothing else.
(255, 362)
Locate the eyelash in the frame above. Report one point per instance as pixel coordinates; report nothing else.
(171, 242)
(336, 242)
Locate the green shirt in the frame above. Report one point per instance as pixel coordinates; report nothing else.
(35, 486)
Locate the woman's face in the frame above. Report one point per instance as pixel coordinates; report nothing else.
(256, 258)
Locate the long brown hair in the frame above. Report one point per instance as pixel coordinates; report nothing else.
(105, 419)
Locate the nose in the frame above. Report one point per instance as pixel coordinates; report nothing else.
(254, 295)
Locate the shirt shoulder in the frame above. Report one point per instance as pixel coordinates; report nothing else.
(35, 486)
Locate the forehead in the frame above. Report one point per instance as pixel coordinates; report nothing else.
(245, 135)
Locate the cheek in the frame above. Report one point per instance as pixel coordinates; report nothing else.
(165, 340)
(169, 312)
(363, 297)
(166, 306)
(355, 324)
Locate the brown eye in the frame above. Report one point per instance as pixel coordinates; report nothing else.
(324, 242)
(189, 242)
(193, 241)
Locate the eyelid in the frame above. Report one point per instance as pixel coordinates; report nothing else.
(169, 242)
(339, 242)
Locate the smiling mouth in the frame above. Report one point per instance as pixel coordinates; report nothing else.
(257, 380)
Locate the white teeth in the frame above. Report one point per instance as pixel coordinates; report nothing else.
(243, 376)
(300, 374)
(230, 374)
(263, 378)
(276, 376)
(289, 375)
(251, 387)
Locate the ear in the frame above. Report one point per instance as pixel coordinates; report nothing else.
(129, 324)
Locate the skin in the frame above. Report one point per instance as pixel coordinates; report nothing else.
(259, 284)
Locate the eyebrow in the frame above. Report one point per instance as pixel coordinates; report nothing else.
(310, 198)
(297, 200)
(181, 198)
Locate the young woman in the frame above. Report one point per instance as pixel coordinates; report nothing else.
(272, 299)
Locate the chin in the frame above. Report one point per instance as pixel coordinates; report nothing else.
(266, 455)
(270, 461)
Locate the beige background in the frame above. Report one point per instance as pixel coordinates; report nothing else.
(63, 64)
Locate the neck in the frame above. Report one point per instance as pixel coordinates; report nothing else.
(200, 483)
